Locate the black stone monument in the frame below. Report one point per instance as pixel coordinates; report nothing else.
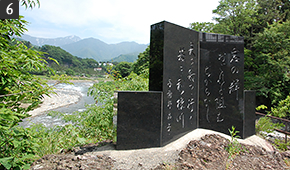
(140, 117)
(174, 71)
(195, 80)
(221, 84)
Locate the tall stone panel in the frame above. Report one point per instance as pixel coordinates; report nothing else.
(201, 76)
(221, 82)
(174, 70)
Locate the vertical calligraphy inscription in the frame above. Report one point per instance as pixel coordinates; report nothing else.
(220, 104)
(207, 81)
(180, 103)
(191, 53)
(180, 51)
(235, 84)
(185, 85)
(221, 68)
(181, 55)
(224, 72)
(169, 96)
(191, 79)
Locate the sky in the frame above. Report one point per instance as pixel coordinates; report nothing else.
(112, 21)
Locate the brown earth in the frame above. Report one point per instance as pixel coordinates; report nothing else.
(209, 152)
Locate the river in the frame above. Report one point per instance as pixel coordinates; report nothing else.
(78, 88)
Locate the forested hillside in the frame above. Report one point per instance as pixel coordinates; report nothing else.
(69, 64)
(65, 62)
(126, 57)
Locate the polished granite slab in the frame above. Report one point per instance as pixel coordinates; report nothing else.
(221, 82)
(139, 119)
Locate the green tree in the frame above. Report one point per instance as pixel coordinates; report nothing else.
(272, 11)
(142, 62)
(17, 61)
(70, 72)
(17, 86)
(202, 26)
(236, 17)
(282, 109)
(268, 69)
(285, 9)
(124, 68)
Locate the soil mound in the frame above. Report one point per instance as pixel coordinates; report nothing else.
(208, 152)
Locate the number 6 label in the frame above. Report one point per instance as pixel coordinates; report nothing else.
(9, 9)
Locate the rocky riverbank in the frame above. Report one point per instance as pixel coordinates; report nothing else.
(60, 99)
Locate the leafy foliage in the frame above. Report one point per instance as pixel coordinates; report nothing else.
(142, 63)
(282, 145)
(268, 69)
(265, 124)
(124, 68)
(282, 109)
(18, 86)
(261, 107)
(202, 26)
(30, 3)
(17, 148)
(235, 16)
(234, 148)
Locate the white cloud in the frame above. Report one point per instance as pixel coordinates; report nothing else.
(115, 20)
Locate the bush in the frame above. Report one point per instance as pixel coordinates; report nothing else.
(282, 109)
(265, 124)
(95, 124)
(124, 68)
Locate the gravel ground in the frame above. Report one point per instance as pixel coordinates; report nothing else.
(199, 149)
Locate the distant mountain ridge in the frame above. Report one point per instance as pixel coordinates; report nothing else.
(51, 41)
(101, 51)
(132, 57)
(91, 47)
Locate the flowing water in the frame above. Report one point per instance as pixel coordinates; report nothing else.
(79, 88)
